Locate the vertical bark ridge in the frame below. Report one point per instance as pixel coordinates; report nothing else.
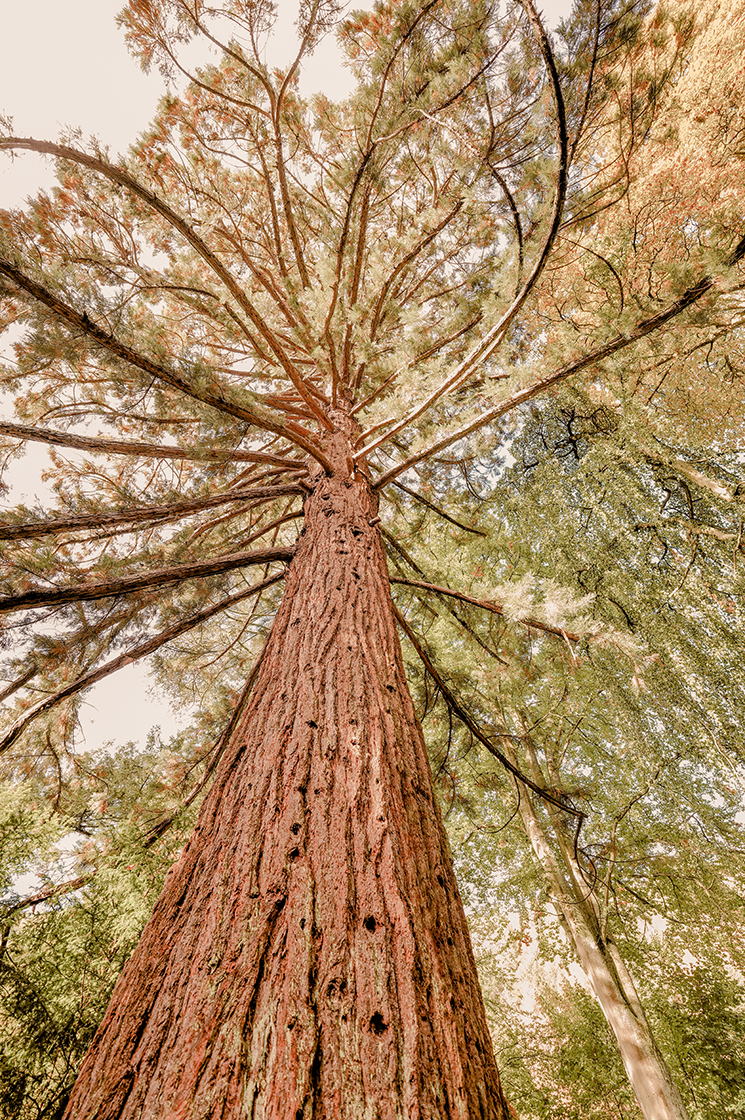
(309, 955)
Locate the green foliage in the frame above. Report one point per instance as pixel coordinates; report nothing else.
(60, 957)
(645, 739)
(703, 1026)
(560, 1061)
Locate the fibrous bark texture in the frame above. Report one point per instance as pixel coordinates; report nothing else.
(309, 955)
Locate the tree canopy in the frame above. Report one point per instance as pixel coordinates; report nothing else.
(515, 260)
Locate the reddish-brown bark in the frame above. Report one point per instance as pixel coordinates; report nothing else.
(309, 955)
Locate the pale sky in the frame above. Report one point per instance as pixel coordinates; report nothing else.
(64, 64)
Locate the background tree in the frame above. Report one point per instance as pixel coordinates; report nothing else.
(651, 762)
(258, 278)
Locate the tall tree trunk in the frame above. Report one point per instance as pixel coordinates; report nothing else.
(309, 955)
(611, 982)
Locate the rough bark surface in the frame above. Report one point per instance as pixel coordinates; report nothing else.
(309, 954)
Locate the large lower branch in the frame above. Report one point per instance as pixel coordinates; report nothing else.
(123, 178)
(253, 410)
(147, 450)
(46, 894)
(171, 511)
(128, 584)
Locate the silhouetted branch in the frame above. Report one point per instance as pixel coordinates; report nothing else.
(486, 605)
(473, 727)
(436, 509)
(127, 658)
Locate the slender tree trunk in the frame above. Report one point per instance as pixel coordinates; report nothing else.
(607, 974)
(309, 955)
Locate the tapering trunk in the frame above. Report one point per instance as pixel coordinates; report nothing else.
(611, 982)
(309, 955)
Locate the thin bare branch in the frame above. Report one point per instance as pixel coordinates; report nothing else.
(458, 710)
(487, 605)
(436, 509)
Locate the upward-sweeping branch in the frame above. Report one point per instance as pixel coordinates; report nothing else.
(123, 178)
(492, 339)
(641, 330)
(254, 411)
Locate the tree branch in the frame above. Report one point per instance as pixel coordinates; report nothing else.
(151, 450)
(254, 412)
(128, 658)
(475, 730)
(436, 509)
(8, 908)
(641, 330)
(19, 682)
(492, 339)
(170, 512)
(485, 604)
(127, 584)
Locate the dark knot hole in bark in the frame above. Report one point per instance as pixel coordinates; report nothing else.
(378, 1024)
(370, 923)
